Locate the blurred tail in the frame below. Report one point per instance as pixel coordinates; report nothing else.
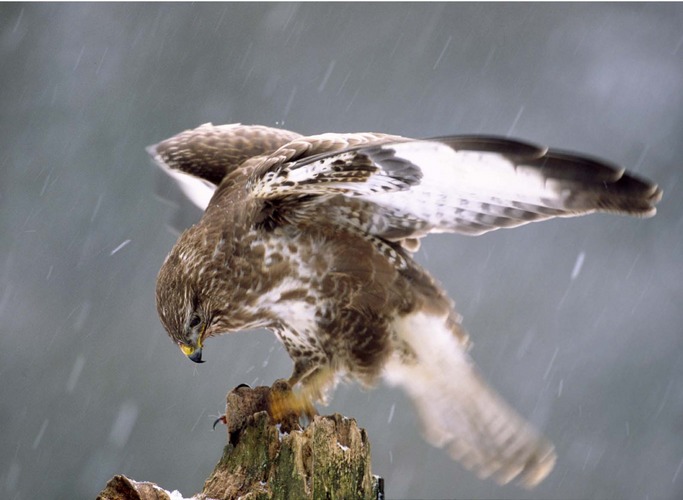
(460, 412)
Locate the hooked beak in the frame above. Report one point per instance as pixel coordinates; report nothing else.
(194, 354)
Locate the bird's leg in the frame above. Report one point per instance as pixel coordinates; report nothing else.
(313, 381)
(284, 403)
(303, 367)
(314, 386)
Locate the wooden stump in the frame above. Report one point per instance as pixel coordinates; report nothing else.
(269, 459)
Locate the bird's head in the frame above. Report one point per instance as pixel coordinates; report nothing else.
(204, 290)
(183, 303)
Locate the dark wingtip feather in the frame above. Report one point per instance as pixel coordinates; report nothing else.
(590, 183)
(635, 196)
(512, 149)
(576, 167)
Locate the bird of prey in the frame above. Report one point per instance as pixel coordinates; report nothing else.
(313, 238)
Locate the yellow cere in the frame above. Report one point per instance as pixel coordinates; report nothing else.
(187, 349)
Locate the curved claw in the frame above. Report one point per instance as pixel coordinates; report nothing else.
(221, 419)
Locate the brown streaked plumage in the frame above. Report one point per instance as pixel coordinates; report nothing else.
(312, 237)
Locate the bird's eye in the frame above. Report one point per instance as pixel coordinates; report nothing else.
(195, 320)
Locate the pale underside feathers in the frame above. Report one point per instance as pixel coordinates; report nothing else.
(481, 431)
(311, 237)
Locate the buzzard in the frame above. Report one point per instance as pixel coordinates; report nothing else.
(312, 238)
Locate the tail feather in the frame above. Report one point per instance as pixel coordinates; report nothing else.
(460, 412)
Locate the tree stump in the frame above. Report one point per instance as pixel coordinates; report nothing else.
(267, 458)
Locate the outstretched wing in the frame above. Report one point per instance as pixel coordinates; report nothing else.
(400, 189)
(200, 158)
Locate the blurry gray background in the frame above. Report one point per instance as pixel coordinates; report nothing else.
(579, 323)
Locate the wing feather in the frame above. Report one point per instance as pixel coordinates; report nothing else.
(465, 184)
(200, 158)
(402, 189)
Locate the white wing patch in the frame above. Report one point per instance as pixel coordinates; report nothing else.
(197, 190)
(470, 191)
(476, 174)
